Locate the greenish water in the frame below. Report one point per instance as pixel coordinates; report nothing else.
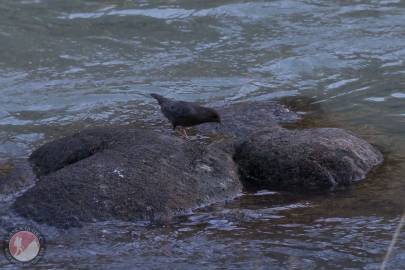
(67, 65)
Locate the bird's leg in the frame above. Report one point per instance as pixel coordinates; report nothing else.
(184, 132)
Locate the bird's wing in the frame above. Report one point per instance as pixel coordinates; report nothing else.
(178, 111)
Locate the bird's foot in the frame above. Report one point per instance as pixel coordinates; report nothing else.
(183, 133)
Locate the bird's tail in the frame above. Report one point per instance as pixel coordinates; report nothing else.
(159, 98)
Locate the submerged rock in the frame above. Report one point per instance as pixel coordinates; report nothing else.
(126, 174)
(15, 176)
(311, 159)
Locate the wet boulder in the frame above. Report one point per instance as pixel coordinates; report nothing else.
(132, 173)
(68, 150)
(125, 173)
(310, 159)
(239, 120)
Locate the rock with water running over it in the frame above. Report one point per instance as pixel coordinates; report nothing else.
(310, 159)
(127, 174)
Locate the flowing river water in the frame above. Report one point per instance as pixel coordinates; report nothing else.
(67, 65)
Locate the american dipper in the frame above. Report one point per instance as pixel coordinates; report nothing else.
(186, 114)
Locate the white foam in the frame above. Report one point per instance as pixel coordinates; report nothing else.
(376, 99)
(398, 95)
(340, 83)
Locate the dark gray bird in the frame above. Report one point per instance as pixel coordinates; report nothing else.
(186, 114)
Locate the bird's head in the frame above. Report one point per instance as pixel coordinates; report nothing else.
(215, 117)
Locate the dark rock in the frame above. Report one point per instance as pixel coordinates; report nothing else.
(68, 150)
(311, 159)
(137, 174)
(126, 174)
(240, 120)
(15, 176)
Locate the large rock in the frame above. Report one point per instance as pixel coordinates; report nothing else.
(68, 150)
(311, 159)
(136, 174)
(239, 120)
(127, 174)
